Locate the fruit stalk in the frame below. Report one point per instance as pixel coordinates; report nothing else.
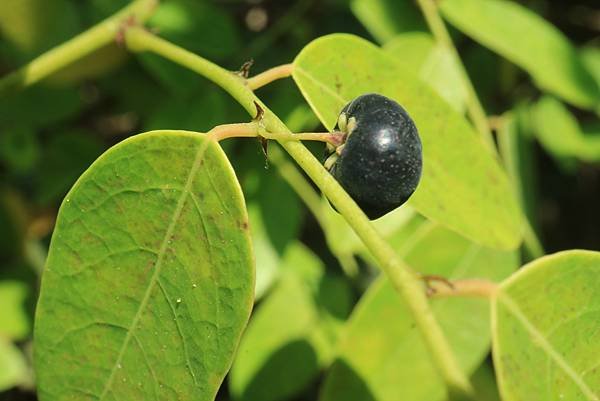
(406, 283)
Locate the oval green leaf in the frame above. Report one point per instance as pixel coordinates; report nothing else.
(149, 278)
(463, 186)
(545, 325)
(382, 356)
(526, 39)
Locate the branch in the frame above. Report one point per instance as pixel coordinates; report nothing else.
(400, 275)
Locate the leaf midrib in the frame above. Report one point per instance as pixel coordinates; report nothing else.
(158, 265)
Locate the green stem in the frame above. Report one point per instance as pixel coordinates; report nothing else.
(407, 284)
(474, 108)
(81, 45)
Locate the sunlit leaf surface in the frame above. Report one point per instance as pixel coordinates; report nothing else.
(546, 322)
(150, 278)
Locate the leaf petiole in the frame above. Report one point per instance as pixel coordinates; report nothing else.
(272, 74)
(254, 129)
(470, 288)
(334, 138)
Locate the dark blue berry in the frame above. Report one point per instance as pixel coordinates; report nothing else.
(380, 163)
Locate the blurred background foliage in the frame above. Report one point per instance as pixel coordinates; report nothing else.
(50, 133)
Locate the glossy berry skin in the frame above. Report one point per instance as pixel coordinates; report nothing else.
(380, 163)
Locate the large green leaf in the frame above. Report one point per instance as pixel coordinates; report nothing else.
(291, 336)
(463, 186)
(382, 356)
(529, 41)
(546, 322)
(560, 134)
(433, 63)
(149, 278)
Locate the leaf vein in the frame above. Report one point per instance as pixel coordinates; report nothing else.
(176, 320)
(158, 265)
(545, 344)
(139, 343)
